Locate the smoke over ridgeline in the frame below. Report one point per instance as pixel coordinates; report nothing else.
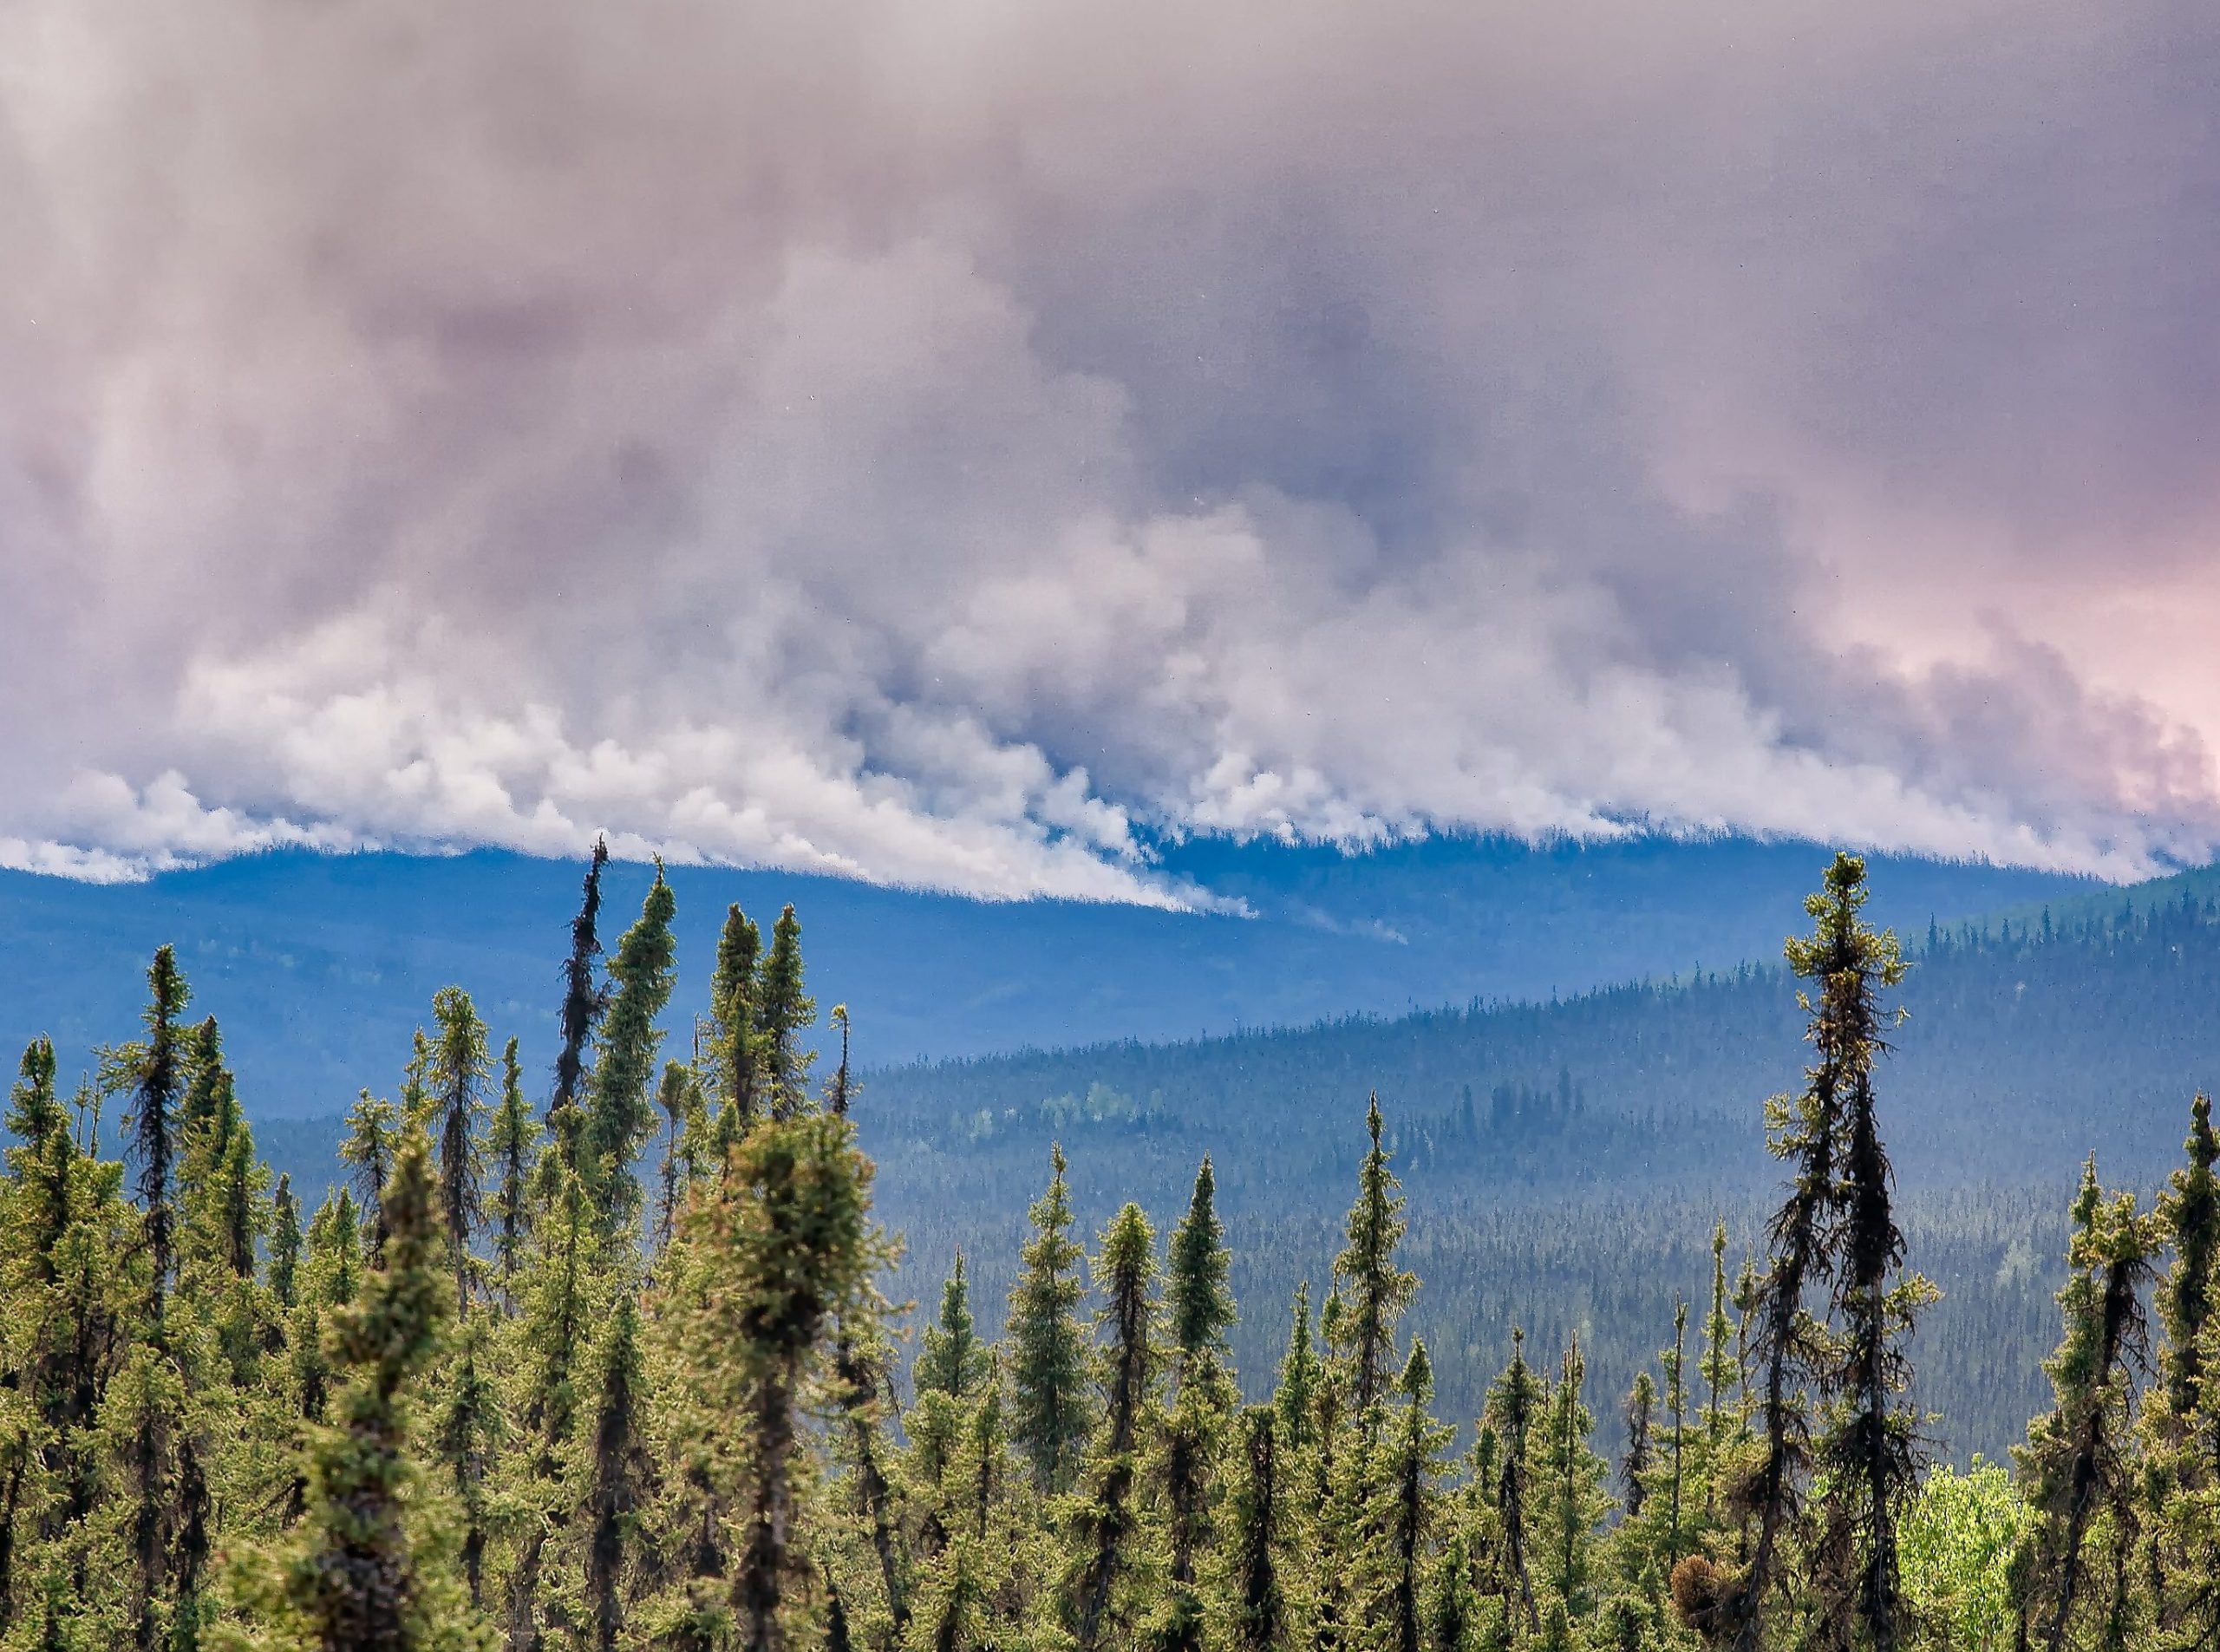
(938, 443)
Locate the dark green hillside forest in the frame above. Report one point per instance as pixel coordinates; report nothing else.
(612, 1355)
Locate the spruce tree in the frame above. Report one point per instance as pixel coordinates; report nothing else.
(563, 1297)
(785, 1254)
(617, 1475)
(459, 1073)
(1514, 1411)
(1199, 1311)
(840, 1093)
(2073, 1467)
(783, 1012)
(861, 1372)
(1376, 1290)
(1833, 1226)
(678, 1096)
(510, 1143)
(1573, 1501)
(372, 1137)
(155, 1073)
(2181, 1462)
(1871, 1450)
(619, 1115)
(2189, 1210)
(1197, 1296)
(285, 1244)
(953, 1360)
(583, 998)
(732, 1018)
(1640, 1422)
(1294, 1399)
(1104, 1588)
(471, 1430)
(356, 1579)
(1050, 1419)
(1257, 1606)
(1412, 1468)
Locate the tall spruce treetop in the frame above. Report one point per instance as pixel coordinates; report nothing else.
(953, 1360)
(1850, 965)
(373, 1138)
(459, 1070)
(732, 1018)
(1125, 1277)
(783, 1010)
(1048, 1344)
(514, 1135)
(2191, 1210)
(154, 1072)
(285, 1244)
(1375, 1290)
(620, 1111)
(1294, 1399)
(1198, 1299)
(584, 998)
(208, 1079)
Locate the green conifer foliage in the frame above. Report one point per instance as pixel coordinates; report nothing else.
(1413, 1466)
(841, 1092)
(1295, 1398)
(1257, 1604)
(788, 1252)
(373, 1138)
(583, 998)
(1827, 1136)
(1050, 1416)
(1514, 1411)
(1197, 1296)
(617, 1478)
(459, 1072)
(1108, 1545)
(155, 1073)
(72, 1292)
(732, 1019)
(620, 1116)
(1636, 1466)
(2190, 1209)
(2073, 1467)
(2180, 1466)
(511, 1144)
(1375, 1289)
(285, 1245)
(783, 1012)
(861, 1369)
(1870, 1451)
(679, 1097)
(356, 1580)
(953, 1360)
(562, 1298)
(471, 1430)
(1573, 1503)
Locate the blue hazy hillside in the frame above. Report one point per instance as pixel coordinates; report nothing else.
(319, 967)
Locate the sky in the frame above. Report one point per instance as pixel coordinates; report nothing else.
(963, 445)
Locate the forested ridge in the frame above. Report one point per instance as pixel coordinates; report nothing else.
(608, 1356)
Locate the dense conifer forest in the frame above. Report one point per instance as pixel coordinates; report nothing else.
(617, 1355)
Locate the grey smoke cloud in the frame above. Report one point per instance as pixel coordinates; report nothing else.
(947, 444)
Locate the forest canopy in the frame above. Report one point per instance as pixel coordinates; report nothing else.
(607, 1358)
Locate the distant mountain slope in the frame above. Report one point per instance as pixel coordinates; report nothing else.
(2023, 1050)
(320, 966)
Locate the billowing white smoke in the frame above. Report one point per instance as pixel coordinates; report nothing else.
(943, 443)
